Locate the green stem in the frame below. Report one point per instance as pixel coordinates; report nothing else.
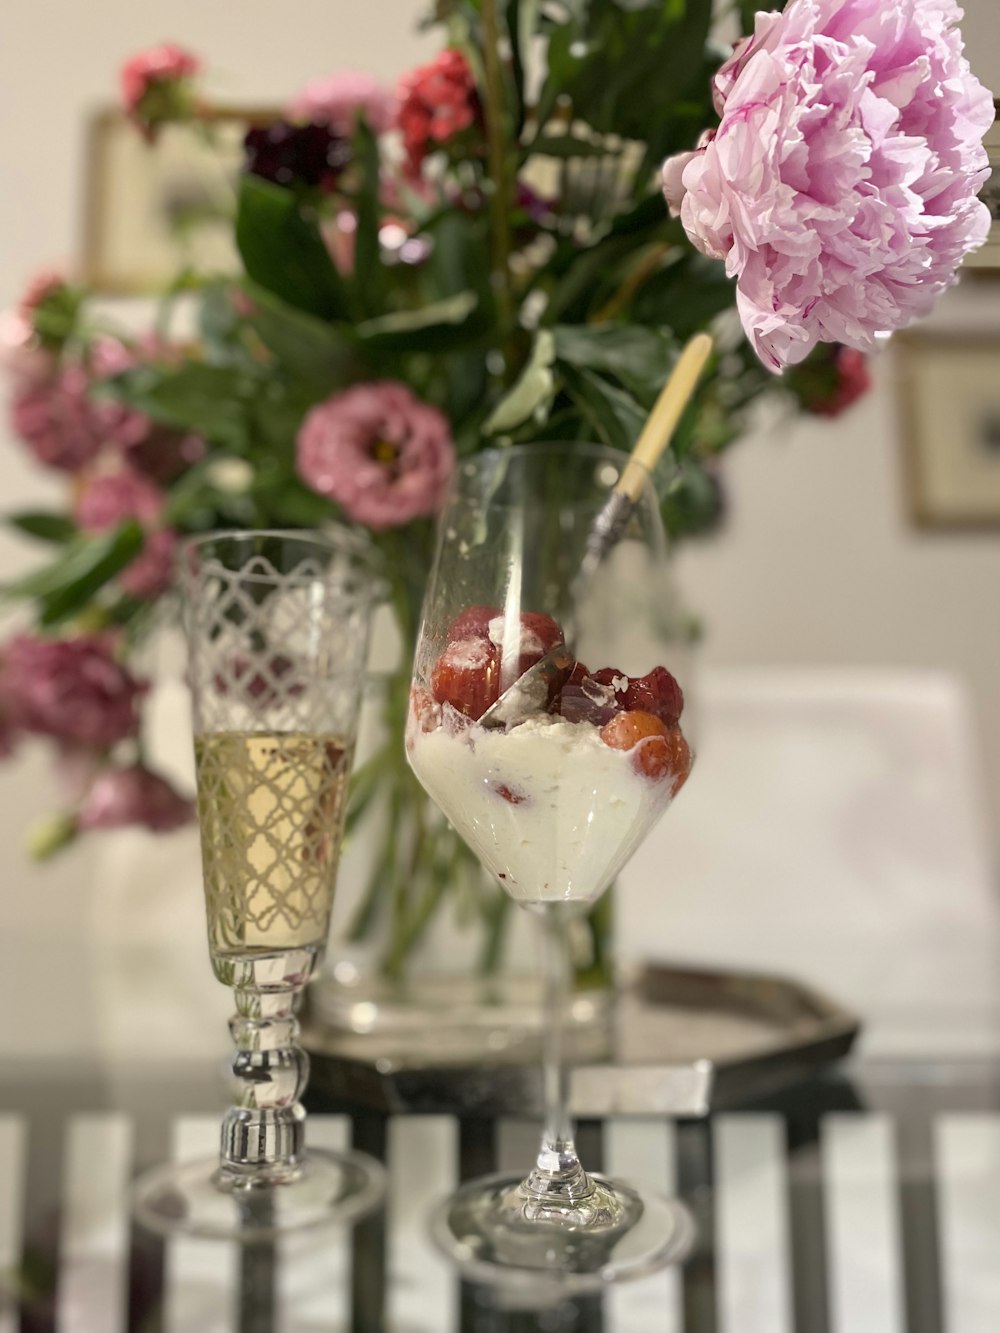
(497, 919)
(497, 156)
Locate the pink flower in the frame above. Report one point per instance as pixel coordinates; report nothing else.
(840, 187)
(156, 87)
(111, 498)
(436, 102)
(121, 425)
(382, 454)
(55, 418)
(22, 355)
(40, 289)
(8, 731)
(135, 795)
(340, 98)
(74, 689)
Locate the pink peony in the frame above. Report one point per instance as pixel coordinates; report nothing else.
(108, 499)
(381, 453)
(135, 795)
(340, 98)
(74, 689)
(840, 187)
(436, 102)
(156, 87)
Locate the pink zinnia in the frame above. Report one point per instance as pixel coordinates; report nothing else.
(109, 499)
(340, 98)
(840, 186)
(74, 689)
(135, 795)
(382, 454)
(155, 86)
(436, 102)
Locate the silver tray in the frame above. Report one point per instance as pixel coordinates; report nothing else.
(678, 1041)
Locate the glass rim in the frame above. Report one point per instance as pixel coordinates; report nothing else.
(307, 536)
(362, 577)
(551, 448)
(593, 448)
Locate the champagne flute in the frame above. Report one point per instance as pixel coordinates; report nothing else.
(277, 627)
(553, 801)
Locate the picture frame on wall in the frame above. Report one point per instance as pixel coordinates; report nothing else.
(949, 414)
(151, 209)
(986, 259)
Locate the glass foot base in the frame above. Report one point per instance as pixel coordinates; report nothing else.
(189, 1200)
(498, 1234)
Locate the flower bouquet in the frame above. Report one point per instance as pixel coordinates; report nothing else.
(483, 255)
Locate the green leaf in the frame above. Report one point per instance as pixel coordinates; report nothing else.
(533, 391)
(43, 525)
(294, 505)
(634, 70)
(567, 145)
(693, 503)
(686, 294)
(282, 250)
(368, 273)
(437, 327)
(640, 358)
(307, 348)
(612, 412)
(85, 566)
(193, 396)
(586, 284)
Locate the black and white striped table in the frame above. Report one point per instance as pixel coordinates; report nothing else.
(884, 1219)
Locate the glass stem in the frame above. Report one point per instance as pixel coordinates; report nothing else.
(263, 1130)
(558, 1175)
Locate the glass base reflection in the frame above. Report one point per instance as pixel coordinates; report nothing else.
(499, 1233)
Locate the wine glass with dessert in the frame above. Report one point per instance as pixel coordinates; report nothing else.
(544, 725)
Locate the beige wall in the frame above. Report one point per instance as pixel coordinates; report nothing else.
(818, 563)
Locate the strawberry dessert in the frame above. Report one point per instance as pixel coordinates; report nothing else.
(556, 802)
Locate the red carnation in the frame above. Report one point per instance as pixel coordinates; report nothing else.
(436, 102)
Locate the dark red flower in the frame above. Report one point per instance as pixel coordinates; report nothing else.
(831, 380)
(289, 155)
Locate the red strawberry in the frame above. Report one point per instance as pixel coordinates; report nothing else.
(467, 676)
(512, 795)
(657, 693)
(473, 623)
(539, 633)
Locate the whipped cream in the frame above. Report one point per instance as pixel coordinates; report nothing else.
(548, 807)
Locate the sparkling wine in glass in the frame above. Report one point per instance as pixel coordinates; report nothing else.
(277, 628)
(554, 798)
